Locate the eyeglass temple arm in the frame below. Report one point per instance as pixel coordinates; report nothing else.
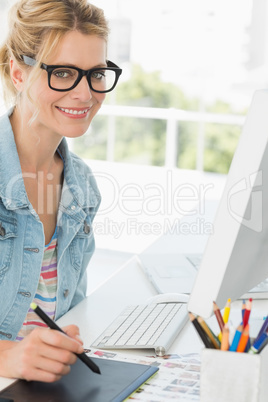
(29, 61)
(32, 62)
(111, 64)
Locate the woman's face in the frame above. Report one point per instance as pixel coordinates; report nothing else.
(70, 113)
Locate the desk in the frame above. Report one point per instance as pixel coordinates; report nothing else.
(126, 286)
(129, 285)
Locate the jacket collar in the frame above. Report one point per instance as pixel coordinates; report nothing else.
(79, 188)
(12, 190)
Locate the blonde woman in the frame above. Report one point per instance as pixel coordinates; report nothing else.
(55, 75)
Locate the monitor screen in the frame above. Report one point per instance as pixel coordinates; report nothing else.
(236, 255)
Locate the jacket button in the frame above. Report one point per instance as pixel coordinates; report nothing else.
(25, 294)
(9, 336)
(66, 292)
(2, 231)
(33, 250)
(86, 228)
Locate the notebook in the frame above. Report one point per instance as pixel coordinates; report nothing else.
(117, 381)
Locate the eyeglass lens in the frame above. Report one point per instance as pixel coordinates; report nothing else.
(64, 78)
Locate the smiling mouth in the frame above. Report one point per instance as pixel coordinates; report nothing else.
(74, 112)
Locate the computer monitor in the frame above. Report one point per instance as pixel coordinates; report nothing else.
(236, 255)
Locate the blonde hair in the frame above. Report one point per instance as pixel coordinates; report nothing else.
(35, 28)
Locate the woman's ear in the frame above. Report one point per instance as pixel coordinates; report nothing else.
(17, 75)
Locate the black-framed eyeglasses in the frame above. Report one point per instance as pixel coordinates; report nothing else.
(65, 78)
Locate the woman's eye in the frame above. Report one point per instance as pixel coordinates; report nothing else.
(98, 75)
(63, 73)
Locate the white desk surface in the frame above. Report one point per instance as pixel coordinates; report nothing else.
(129, 285)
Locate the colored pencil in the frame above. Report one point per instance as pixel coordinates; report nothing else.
(263, 328)
(259, 344)
(218, 315)
(243, 340)
(236, 339)
(247, 312)
(226, 311)
(262, 346)
(248, 345)
(225, 337)
(225, 316)
(243, 308)
(209, 332)
(207, 342)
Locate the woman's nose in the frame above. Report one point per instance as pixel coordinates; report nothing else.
(82, 90)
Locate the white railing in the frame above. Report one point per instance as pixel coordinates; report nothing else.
(172, 117)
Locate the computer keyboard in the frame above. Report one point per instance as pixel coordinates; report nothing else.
(152, 326)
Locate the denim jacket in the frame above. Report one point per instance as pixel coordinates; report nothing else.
(22, 239)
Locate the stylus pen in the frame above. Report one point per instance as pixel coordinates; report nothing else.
(82, 356)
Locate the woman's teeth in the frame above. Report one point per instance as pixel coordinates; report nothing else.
(70, 111)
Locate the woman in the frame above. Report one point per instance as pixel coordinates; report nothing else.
(55, 72)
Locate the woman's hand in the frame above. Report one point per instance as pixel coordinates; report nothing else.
(43, 355)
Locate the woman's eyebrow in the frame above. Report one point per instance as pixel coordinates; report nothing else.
(101, 65)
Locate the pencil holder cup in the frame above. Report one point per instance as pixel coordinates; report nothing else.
(233, 377)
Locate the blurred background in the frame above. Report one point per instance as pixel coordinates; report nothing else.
(167, 134)
(190, 68)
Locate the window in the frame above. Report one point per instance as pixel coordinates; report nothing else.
(188, 78)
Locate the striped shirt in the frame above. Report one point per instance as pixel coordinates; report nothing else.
(45, 296)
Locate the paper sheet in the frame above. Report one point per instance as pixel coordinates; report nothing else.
(178, 377)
